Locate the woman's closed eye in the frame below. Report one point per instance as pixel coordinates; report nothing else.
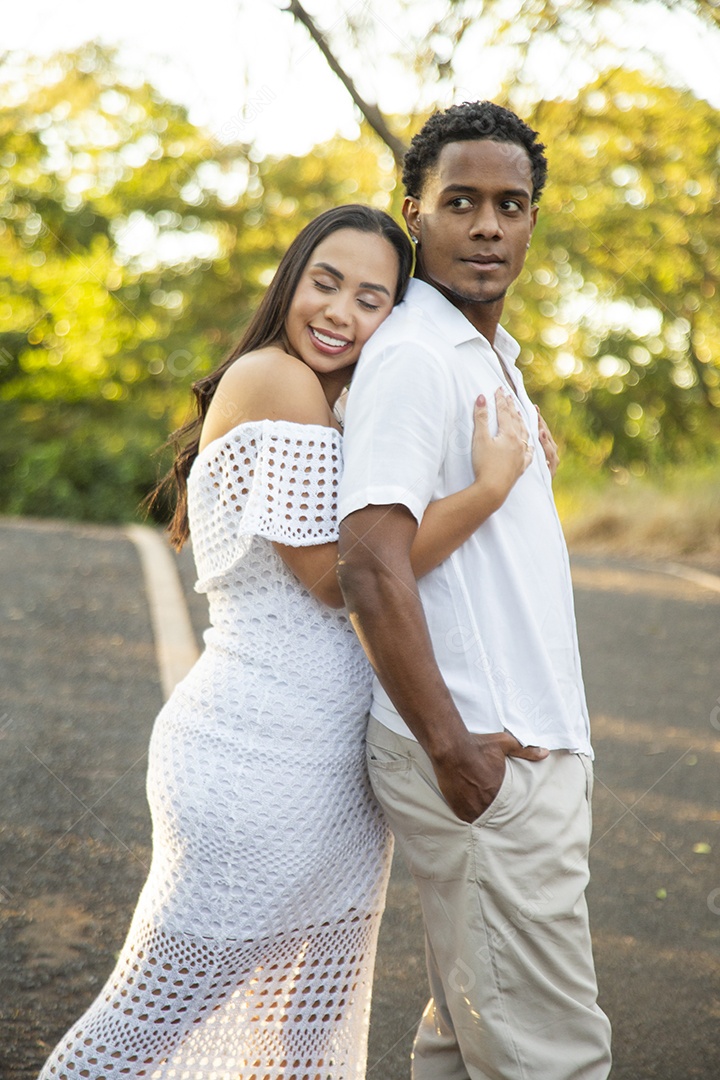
(323, 286)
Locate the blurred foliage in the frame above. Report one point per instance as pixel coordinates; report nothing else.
(618, 306)
(133, 247)
(132, 250)
(582, 27)
(673, 511)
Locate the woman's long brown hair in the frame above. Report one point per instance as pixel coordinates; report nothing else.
(266, 328)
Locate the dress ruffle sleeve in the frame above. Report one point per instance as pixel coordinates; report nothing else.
(280, 478)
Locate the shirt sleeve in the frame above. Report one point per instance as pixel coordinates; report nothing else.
(395, 430)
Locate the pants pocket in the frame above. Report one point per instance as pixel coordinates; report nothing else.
(589, 782)
(501, 800)
(379, 757)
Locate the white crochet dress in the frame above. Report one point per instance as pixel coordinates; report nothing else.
(251, 951)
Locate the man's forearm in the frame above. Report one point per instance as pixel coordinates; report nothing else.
(382, 598)
(388, 617)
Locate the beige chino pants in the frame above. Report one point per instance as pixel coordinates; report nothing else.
(507, 939)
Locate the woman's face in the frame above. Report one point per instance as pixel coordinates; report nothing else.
(344, 293)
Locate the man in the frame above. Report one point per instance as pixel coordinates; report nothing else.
(478, 742)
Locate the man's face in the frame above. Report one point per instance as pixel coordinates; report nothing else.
(474, 220)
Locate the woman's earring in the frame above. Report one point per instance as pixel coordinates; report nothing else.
(414, 239)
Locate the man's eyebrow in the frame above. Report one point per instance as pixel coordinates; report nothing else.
(341, 277)
(468, 189)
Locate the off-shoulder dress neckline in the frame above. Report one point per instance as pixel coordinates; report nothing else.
(234, 431)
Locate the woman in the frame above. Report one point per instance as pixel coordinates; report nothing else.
(251, 950)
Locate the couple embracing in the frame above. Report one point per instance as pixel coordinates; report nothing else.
(422, 537)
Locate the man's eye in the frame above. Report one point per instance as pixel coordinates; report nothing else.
(511, 204)
(460, 203)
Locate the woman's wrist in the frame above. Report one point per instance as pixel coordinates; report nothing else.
(490, 493)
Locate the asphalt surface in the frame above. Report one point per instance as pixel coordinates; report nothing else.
(79, 692)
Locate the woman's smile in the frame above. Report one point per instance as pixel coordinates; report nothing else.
(329, 342)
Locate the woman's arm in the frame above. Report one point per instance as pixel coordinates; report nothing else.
(271, 385)
(497, 463)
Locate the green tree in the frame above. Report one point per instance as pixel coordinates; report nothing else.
(619, 305)
(132, 249)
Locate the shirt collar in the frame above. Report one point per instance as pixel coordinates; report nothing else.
(451, 322)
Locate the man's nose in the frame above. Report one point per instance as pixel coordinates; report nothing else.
(486, 222)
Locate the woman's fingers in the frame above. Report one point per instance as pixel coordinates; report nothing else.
(481, 435)
(501, 458)
(507, 410)
(481, 430)
(548, 444)
(511, 425)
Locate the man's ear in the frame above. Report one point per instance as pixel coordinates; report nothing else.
(411, 213)
(533, 218)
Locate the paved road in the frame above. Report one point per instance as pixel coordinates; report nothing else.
(79, 693)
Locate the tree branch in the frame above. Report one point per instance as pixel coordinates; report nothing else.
(372, 113)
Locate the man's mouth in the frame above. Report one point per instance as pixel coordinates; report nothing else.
(487, 262)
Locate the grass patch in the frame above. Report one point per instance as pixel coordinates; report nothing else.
(671, 512)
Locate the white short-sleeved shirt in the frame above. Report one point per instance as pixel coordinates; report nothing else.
(499, 609)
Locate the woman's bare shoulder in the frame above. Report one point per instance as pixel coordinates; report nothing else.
(267, 384)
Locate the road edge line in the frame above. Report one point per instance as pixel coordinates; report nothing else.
(699, 577)
(175, 645)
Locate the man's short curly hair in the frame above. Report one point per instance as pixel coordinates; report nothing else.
(462, 123)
